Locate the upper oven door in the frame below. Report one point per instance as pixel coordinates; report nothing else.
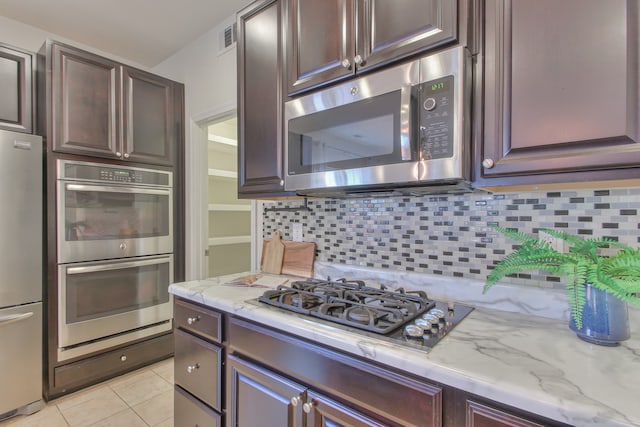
(97, 222)
(357, 133)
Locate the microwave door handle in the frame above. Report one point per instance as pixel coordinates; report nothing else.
(107, 189)
(115, 266)
(406, 134)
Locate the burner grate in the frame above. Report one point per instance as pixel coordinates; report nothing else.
(350, 303)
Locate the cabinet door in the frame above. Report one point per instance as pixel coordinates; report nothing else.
(564, 101)
(260, 103)
(148, 122)
(484, 416)
(326, 412)
(320, 42)
(257, 397)
(16, 87)
(85, 103)
(388, 31)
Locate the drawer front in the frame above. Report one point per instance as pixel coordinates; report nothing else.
(198, 368)
(199, 320)
(189, 412)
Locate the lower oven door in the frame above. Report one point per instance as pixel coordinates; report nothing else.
(98, 300)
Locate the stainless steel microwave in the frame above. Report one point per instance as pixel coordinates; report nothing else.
(400, 130)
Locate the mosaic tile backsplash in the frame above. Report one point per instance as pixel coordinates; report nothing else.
(451, 235)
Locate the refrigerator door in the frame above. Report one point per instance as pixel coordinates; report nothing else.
(21, 358)
(21, 237)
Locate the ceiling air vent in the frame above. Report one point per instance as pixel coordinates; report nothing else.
(227, 38)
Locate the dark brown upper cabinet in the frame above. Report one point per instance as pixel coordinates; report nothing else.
(558, 93)
(102, 108)
(331, 40)
(260, 100)
(16, 89)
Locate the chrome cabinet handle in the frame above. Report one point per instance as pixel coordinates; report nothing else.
(358, 60)
(126, 155)
(123, 246)
(346, 63)
(488, 163)
(192, 368)
(307, 407)
(123, 358)
(119, 154)
(295, 401)
(192, 320)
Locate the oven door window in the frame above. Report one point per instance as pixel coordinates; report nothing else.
(108, 213)
(361, 134)
(97, 293)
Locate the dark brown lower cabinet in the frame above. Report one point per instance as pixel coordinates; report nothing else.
(479, 415)
(295, 380)
(258, 396)
(233, 372)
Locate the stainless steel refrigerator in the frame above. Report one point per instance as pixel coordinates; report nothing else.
(21, 278)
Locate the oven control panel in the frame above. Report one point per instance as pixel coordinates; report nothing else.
(85, 171)
(120, 175)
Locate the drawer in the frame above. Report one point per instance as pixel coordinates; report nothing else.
(189, 412)
(198, 367)
(199, 320)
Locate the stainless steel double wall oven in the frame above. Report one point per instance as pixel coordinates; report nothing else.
(115, 260)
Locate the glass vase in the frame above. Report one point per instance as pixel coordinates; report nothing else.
(605, 318)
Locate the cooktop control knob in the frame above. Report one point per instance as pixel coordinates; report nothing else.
(437, 313)
(413, 331)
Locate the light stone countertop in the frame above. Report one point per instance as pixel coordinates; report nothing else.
(526, 361)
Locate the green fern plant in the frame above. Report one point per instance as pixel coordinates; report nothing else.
(618, 274)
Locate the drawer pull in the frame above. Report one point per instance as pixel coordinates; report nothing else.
(192, 368)
(192, 320)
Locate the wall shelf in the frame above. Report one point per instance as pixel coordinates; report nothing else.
(229, 207)
(231, 240)
(220, 173)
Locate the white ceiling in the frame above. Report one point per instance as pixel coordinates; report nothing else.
(144, 31)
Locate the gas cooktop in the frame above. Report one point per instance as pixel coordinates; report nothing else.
(407, 317)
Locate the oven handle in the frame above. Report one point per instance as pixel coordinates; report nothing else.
(115, 266)
(107, 189)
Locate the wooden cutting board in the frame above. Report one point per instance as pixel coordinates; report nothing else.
(297, 259)
(273, 254)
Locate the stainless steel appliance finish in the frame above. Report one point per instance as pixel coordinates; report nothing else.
(409, 318)
(109, 211)
(21, 243)
(104, 298)
(403, 127)
(115, 261)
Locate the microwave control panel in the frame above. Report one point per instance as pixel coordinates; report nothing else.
(435, 114)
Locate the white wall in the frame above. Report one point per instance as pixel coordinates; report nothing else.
(32, 38)
(210, 89)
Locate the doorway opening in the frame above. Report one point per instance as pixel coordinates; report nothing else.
(229, 219)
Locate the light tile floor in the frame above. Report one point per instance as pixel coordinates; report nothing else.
(142, 398)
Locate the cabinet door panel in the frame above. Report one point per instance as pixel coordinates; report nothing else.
(566, 100)
(16, 81)
(260, 153)
(256, 396)
(86, 95)
(392, 30)
(484, 416)
(321, 36)
(327, 413)
(147, 117)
